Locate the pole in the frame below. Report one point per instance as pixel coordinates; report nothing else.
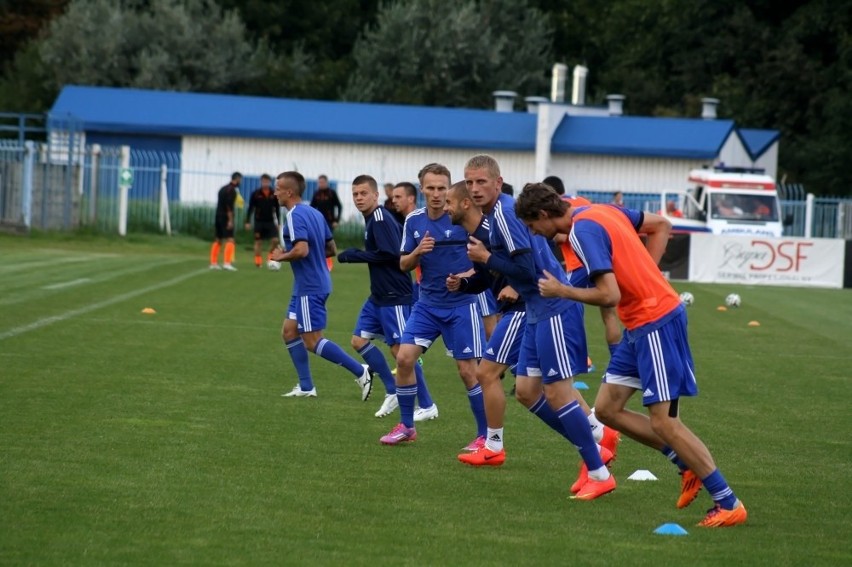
(122, 192)
(165, 220)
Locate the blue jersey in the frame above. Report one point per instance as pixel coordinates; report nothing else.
(310, 274)
(448, 257)
(488, 279)
(389, 285)
(522, 257)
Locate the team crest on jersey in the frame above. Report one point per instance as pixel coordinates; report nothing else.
(448, 233)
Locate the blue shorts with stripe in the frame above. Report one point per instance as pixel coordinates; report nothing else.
(555, 348)
(504, 346)
(655, 359)
(382, 322)
(487, 303)
(460, 327)
(309, 312)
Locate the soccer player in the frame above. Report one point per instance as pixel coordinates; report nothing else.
(577, 274)
(554, 342)
(225, 224)
(265, 207)
(384, 313)
(307, 243)
(654, 356)
(431, 241)
(503, 347)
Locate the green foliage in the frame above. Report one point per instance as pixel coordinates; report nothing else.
(170, 45)
(163, 440)
(433, 52)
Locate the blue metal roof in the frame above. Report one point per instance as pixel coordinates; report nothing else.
(163, 113)
(104, 109)
(758, 141)
(686, 138)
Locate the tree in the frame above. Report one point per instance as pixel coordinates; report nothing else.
(170, 44)
(440, 53)
(312, 42)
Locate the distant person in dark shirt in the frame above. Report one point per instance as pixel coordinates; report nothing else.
(508, 189)
(328, 204)
(389, 204)
(225, 224)
(263, 209)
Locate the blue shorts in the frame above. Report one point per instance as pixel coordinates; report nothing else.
(656, 360)
(308, 311)
(504, 347)
(487, 303)
(382, 322)
(460, 327)
(555, 348)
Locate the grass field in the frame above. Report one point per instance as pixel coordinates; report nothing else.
(162, 439)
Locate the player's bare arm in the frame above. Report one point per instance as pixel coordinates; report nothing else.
(605, 293)
(299, 251)
(657, 228)
(330, 248)
(408, 262)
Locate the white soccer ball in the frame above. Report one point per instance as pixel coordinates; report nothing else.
(733, 300)
(273, 265)
(687, 298)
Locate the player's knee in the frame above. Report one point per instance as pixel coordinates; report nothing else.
(606, 412)
(663, 425)
(526, 394)
(358, 343)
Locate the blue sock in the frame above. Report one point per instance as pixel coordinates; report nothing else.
(405, 396)
(333, 353)
(672, 456)
(379, 365)
(719, 490)
(579, 433)
(423, 395)
(299, 354)
(612, 348)
(477, 406)
(543, 411)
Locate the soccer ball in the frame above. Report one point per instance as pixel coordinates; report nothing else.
(687, 298)
(733, 300)
(273, 265)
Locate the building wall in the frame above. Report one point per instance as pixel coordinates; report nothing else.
(734, 153)
(769, 161)
(209, 161)
(583, 172)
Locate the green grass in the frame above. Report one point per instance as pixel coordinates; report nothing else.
(162, 439)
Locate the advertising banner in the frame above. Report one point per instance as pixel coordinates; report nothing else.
(808, 262)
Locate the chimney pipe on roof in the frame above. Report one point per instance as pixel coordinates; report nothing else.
(708, 108)
(504, 101)
(578, 92)
(533, 102)
(615, 104)
(557, 83)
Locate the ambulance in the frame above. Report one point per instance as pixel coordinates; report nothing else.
(737, 201)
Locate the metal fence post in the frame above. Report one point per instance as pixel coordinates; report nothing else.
(27, 197)
(809, 215)
(93, 183)
(122, 192)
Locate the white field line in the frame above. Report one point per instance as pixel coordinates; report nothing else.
(66, 284)
(95, 306)
(26, 265)
(20, 297)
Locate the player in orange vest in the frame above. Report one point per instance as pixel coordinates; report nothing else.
(654, 356)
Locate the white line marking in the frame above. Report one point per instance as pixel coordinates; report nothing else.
(95, 306)
(66, 284)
